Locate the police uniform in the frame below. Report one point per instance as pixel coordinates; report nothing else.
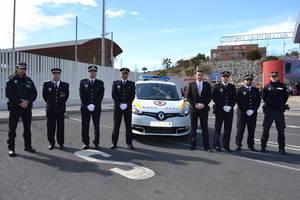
(19, 89)
(55, 94)
(248, 102)
(224, 97)
(91, 95)
(275, 96)
(123, 94)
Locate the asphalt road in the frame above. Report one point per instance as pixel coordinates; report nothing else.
(179, 173)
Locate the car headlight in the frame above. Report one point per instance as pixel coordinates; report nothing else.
(136, 111)
(185, 111)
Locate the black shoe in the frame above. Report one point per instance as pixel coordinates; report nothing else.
(51, 147)
(85, 147)
(238, 148)
(252, 149)
(113, 147)
(96, 145)
(218, 148)
(228, 149)
(192, 147)
(207, 149)
(61, 147)
(130, 147)
(282, 152)
(12, 153)
(30, 149)
(263, 149)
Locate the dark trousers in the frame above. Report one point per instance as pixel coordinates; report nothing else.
(203, 116)
(244, 120)
(56, 121)
(222, 116)
(279, 119)
(14, 115)
(85, 122)
(118, 113)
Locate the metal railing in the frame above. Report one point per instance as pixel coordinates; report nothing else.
(39, 71)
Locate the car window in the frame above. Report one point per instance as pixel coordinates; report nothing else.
(157, 91)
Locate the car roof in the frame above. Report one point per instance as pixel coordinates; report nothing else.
(155, 81)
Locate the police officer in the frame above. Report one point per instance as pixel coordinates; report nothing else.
(123, 93)
(248, 102)
(275, 96)
(55, 94)
(21, 93)
(91, 94)
(224, 97)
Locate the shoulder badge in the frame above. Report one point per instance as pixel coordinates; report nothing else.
(221, 90)
(279, 88)
(244, 93)
(86, 86)
(118, 86)
(49, 89)
(269, 88)
(15, 81)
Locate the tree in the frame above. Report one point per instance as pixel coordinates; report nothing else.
(294, 53)
(167, 62)
(269, 58)
(144, 69)
(254, 55)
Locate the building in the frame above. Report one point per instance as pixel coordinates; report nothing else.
(88, 50)
(235, 52)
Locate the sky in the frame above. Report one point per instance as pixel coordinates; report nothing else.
(149, 30)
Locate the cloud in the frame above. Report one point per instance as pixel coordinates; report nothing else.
(30, 17)
(111, 13)
(115, 13)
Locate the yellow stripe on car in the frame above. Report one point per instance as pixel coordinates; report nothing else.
(137, 104)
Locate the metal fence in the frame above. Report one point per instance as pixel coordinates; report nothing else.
(39, 71)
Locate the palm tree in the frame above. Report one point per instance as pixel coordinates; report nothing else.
(167, 62)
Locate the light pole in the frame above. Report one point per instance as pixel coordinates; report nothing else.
(103, 35)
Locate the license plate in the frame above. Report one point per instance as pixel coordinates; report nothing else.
(161, 124)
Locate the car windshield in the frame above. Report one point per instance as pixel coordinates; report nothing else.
(157, 91)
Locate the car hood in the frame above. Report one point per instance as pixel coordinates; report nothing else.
(160, 105)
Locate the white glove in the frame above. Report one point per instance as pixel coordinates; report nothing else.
(249, 112)
(91, 107)
(227, 108)
(123, 106)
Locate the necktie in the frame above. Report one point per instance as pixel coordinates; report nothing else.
(199, 89)
(56, 85)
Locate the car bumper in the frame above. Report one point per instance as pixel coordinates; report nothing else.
(141, 126)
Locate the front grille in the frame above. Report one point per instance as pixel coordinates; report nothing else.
(162, 130)
(155, 115)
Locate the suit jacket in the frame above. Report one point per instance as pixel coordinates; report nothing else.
(123, 93)
(248, 99)
(224, 96)
(55, 97)
(91, 93)
(193, 96)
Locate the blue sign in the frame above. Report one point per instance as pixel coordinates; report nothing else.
(215, 76)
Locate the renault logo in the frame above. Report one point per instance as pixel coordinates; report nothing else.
(161, 115)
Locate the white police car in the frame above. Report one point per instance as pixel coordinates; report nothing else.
(159, 108)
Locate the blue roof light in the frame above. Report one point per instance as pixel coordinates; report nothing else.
(154, 77)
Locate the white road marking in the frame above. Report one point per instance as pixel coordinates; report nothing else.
(274, 144)
(243, 158)
(136, 173)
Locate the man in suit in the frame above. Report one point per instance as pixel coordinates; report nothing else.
(224, 97)
(275, 96)
(55, 94)
(248, 102)
(123, 94)
(199, 97)
(91, 92)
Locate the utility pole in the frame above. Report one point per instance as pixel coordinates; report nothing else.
(103, 36)
(14, 26)
(76, 40)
